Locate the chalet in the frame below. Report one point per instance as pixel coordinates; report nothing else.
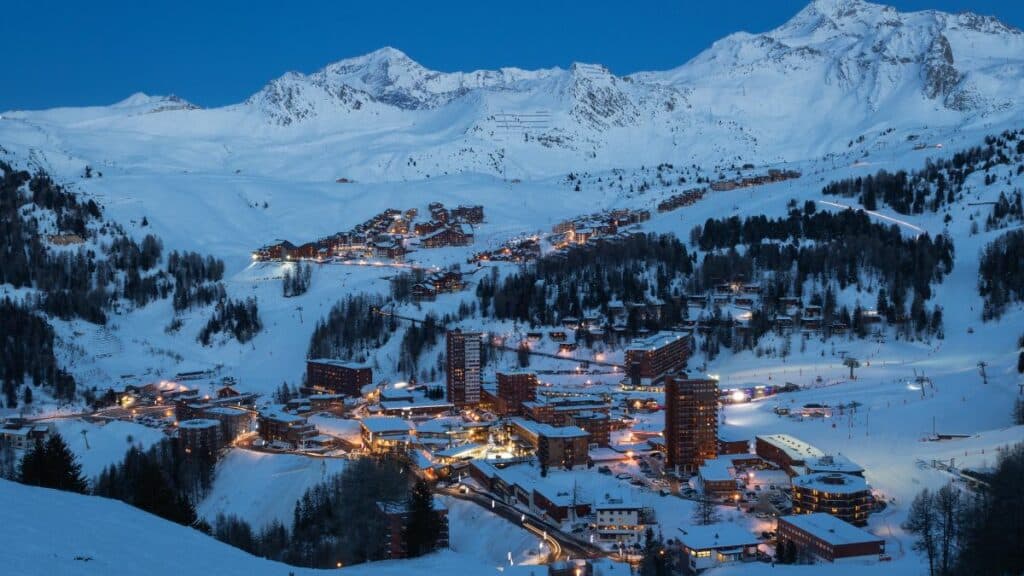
(399, 226)
(426, 228)
(392, 250)
(228, 392)
(65, 239)
(746, 301)
(21, 435)
(448, 281)
(470, 214)
(619, 518)
(273, 252)
(564, 227)
(423, 292)
(783, 322)
(451, 236)
(680, 200)
(811, 324)
(438, 212)
(557, 336)
(716, 479)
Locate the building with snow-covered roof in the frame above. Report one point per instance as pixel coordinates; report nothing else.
(648, 360)
(715, 544)
(337, 377)
(386, 433)
(619, 518)
(732, 441)
(785, 451)
(558, 495)
(717, 478)
(556, 446)
(234, 421)
(200, 436)
(841, 495)
(21, 435)
(275, 425)
(828, 537)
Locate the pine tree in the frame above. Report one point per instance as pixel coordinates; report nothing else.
(421, 532)
(655, 559)
(706, 512)
(51, 464)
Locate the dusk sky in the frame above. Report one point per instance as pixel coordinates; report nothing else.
(217, 53)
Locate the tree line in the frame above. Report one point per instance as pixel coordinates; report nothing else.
(238, 318)
(295, 283)
(1001, 273)
(351, 328)
(322, 531)
(635, 268)
(939, 183)
(27, 351)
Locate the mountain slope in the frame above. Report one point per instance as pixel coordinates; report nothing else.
(104, 537)
(838, 70)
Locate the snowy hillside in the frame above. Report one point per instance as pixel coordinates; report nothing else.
(106, 537)
(843, 90)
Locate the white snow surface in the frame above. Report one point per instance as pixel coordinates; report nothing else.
(797, 97)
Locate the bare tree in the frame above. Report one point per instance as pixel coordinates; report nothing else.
(948, 512)
(923, 522)
(706, 512)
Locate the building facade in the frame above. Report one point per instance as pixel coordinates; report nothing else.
(338, 377)
(691, 422)
(828, 537)
(514, 388)
(201, 436)
(277, 426)
(463, 368)
(844, 496)
(650, 360)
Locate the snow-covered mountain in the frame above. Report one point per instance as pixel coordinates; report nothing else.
(838, 70)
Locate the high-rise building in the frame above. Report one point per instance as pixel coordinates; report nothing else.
(649, 360)
(463, 374)
(691, 422)
(514, 388)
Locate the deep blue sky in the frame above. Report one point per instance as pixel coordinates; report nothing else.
(218, 52)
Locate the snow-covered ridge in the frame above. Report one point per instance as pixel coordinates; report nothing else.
(839, 69)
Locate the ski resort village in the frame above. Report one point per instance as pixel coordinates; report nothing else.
(762, 313)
